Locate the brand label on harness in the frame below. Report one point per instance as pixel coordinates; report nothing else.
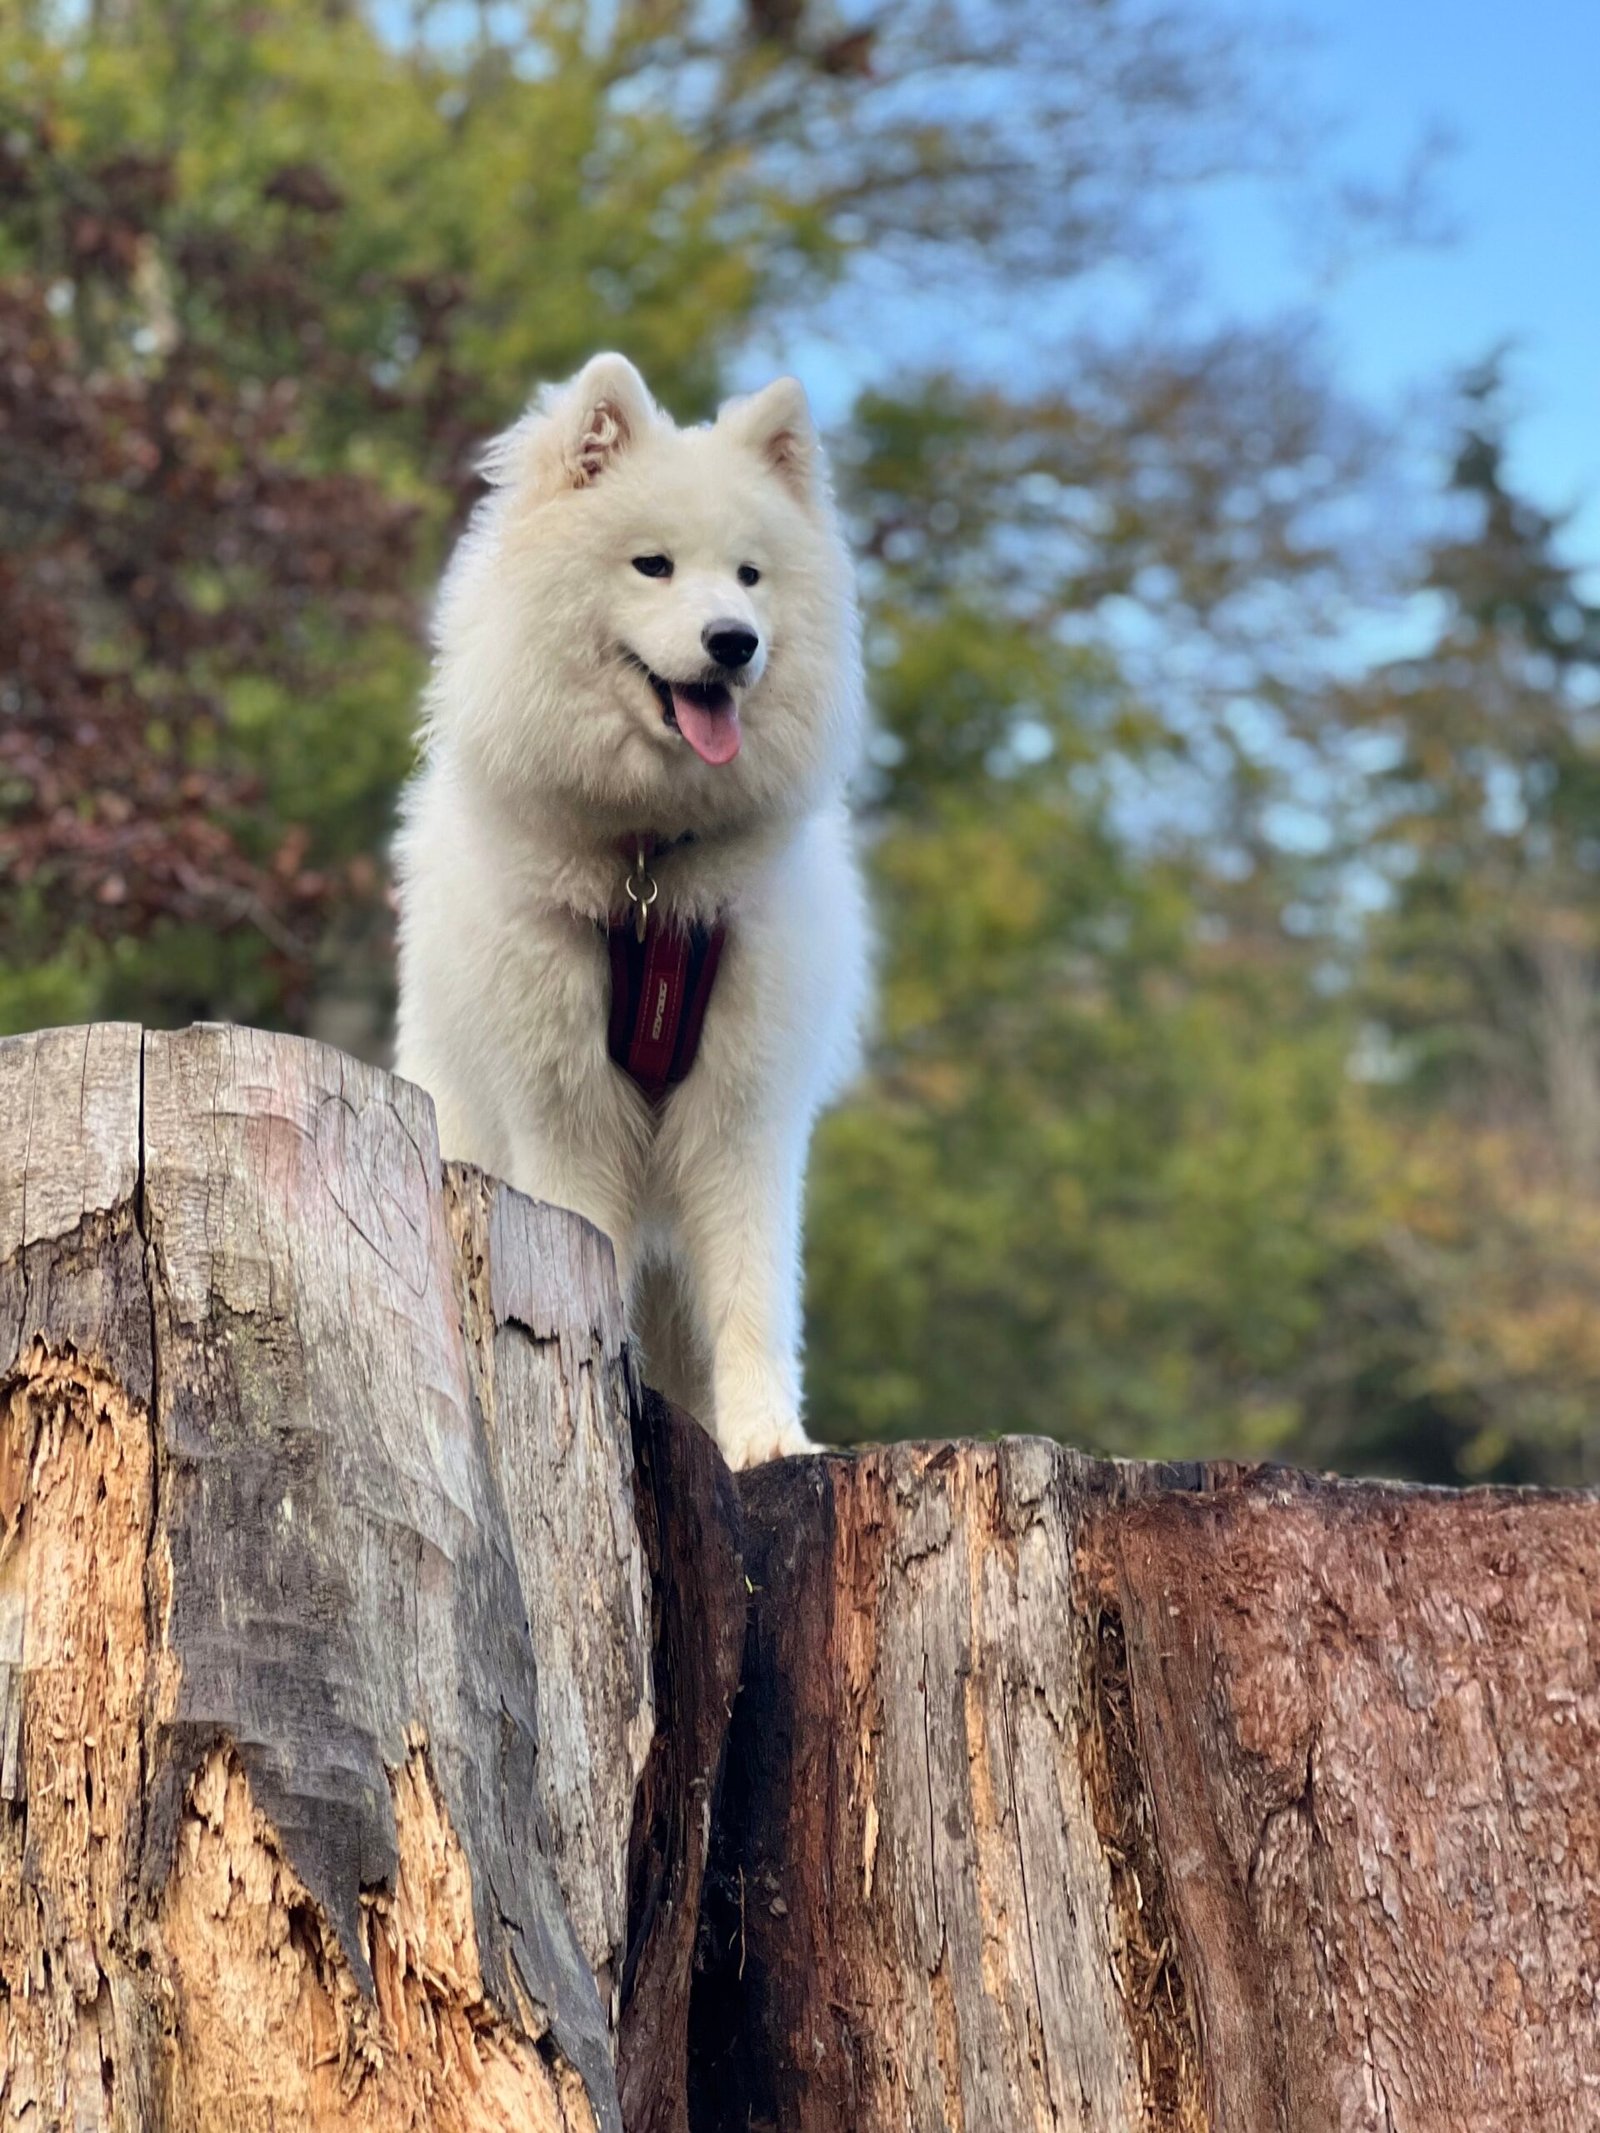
(660, 989)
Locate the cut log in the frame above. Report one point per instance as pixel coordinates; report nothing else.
(275, 1848)
(407, 1722)
(1069, 1794)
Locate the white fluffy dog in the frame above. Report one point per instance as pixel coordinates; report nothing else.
(633, 944)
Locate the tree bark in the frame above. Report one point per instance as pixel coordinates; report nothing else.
(1070, 1794)
(407, 1722)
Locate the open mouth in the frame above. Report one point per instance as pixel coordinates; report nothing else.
(704, 713)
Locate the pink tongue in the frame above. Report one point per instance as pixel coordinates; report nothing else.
(711, 731)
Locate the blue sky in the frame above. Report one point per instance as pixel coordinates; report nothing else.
(1513, 92)
(1517, 90)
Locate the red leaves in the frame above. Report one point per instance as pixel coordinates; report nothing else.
(304, 186)
(170, 527)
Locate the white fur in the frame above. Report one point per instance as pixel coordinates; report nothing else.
(545, 749)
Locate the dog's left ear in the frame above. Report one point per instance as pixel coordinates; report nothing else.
(573, 432)
(776, 424)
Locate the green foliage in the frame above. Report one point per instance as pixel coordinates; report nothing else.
(284, 273)
(1098, 1183)
(1159, 1149)
(1105, 1178)
(1483, 977)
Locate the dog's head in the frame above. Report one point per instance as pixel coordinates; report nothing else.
(654, 622)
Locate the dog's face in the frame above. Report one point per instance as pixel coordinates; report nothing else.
(653, 623)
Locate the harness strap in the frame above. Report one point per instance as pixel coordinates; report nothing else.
(660, 990)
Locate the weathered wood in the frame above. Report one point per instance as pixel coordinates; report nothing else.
(69, 1246)
(912, 1894)
(1063, 1794)
(405, 1721)
(278, 1852)
(1370, 1720)
(689, 1514)
(76, 1494)
(553, 1382)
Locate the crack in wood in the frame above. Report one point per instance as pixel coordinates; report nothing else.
(1151, 1985)
(980, 1787)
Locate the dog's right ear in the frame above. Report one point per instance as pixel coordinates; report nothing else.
(573, 432)
(776, 424)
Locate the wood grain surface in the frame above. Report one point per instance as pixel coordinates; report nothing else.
(406, 1721)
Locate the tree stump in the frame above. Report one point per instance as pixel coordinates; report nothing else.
(406, 1722)
(1071, 1794)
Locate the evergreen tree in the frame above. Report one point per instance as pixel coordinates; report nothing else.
(1483, 977)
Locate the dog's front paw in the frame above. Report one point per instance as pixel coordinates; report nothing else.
(754, 1443)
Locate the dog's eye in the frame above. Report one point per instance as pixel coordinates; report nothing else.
(653, 566)
(748, 574)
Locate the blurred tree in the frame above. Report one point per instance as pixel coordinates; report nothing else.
(1485, 811)
(1107, 1146)
(263, 278)
(270, 268)
(1483, 975)
(175, 561)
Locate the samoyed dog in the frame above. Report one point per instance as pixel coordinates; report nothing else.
(633, 947)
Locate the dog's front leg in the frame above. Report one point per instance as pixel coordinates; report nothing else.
(739, 1217)
(582, 1143)
(591, 1189)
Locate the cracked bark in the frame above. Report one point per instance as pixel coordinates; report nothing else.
(274, 1838)
(405, 1721)
(1258, 1803)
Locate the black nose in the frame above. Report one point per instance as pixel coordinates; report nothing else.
(730, 643)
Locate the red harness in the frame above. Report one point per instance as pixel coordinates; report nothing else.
(661, 980)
